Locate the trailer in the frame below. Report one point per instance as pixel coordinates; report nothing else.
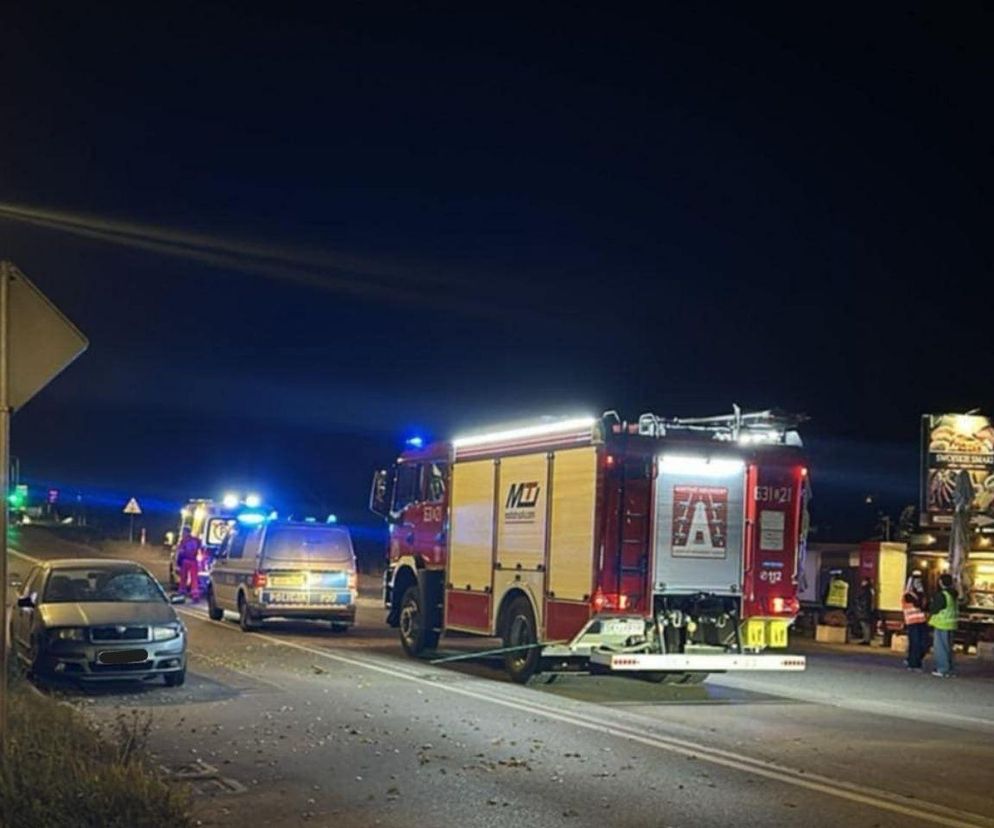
(665, 547)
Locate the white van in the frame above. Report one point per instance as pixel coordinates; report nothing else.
(284, 569)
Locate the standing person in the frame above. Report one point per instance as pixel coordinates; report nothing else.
(944, 617)
(913, 604)
(865, 606)
(186, 563)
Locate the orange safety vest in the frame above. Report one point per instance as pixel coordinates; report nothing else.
(913, 614)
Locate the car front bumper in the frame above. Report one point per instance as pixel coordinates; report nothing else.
(82, 660)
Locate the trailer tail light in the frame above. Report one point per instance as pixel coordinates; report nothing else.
(259, 580)
(609, 601)
(784, 606)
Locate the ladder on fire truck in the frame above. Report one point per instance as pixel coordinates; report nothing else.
(770, 427)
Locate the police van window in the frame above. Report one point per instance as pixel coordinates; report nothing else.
(407, 490)
(236, 545)
(435, 482)
(253, 540)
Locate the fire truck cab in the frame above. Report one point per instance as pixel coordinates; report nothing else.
(664, 547)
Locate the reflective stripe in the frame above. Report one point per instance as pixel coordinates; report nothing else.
(948, 617)
(912, 613)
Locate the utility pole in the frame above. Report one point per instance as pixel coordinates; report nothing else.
(5, 489)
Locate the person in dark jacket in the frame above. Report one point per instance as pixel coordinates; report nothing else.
(866, 605)
(914, 603)
(944, 618)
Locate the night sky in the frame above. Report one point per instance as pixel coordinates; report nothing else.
(295, 237)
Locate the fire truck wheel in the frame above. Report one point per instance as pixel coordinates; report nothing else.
(214, 612)
(519, 631)
(415, 634)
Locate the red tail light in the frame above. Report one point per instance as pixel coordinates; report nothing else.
(609, 601)
(784, 606)
(258, 580)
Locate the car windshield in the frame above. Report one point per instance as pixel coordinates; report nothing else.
(101, 584)
(308, 544)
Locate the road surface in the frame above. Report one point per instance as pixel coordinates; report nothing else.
(296, 725)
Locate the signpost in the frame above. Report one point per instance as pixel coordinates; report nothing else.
(36, 343)
(131, 508)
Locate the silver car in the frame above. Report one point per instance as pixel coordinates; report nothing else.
(97, 620)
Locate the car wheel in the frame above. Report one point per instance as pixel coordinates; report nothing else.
(520, 632)
(175, 679)
(245, 618)
(214, 612)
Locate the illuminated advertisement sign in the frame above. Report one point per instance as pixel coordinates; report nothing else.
(951, 442)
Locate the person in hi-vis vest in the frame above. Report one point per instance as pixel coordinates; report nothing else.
(913, 604)
(944, 618)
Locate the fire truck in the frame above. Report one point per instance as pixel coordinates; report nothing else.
(664, 547)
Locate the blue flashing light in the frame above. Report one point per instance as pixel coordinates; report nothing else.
(251, 518)
(332, 519)
(415, 442)
(310, 520)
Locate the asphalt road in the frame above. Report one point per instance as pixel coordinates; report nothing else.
(296, 725)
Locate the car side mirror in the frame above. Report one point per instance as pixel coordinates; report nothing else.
(379, 494)
(26, 602)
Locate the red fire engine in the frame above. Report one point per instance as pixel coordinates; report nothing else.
(666, 547)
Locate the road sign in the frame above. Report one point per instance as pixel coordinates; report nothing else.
(36, 343)
(41, 341)
(132, 507)
(53, 495)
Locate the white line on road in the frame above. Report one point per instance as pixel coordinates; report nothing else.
(840, 789)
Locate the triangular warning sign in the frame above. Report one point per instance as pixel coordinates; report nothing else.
(132, 508)
(699, 536)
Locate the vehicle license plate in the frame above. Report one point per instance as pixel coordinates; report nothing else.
(122, 656)
(287, 580)
(623, 626)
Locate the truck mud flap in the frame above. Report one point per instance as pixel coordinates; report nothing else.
(675, 662)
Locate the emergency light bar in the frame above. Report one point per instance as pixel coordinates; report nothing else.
(547, 429)
(701, 466)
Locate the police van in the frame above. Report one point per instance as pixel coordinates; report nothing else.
(285, 569)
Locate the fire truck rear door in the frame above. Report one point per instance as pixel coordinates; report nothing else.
(699, 525)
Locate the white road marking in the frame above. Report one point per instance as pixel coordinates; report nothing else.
(840, 789)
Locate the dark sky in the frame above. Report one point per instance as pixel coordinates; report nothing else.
(350, 223)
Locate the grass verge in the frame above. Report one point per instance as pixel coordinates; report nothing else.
(59, 771)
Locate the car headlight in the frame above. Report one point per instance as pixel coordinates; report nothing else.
(165, 632)
(69, 634)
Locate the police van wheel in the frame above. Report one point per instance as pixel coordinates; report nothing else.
(245, 619)
(416, 635)
(214, 612)
(519, 631)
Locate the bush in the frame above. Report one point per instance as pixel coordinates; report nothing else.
(59, 771)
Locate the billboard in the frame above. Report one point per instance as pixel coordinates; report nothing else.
(951, 442)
